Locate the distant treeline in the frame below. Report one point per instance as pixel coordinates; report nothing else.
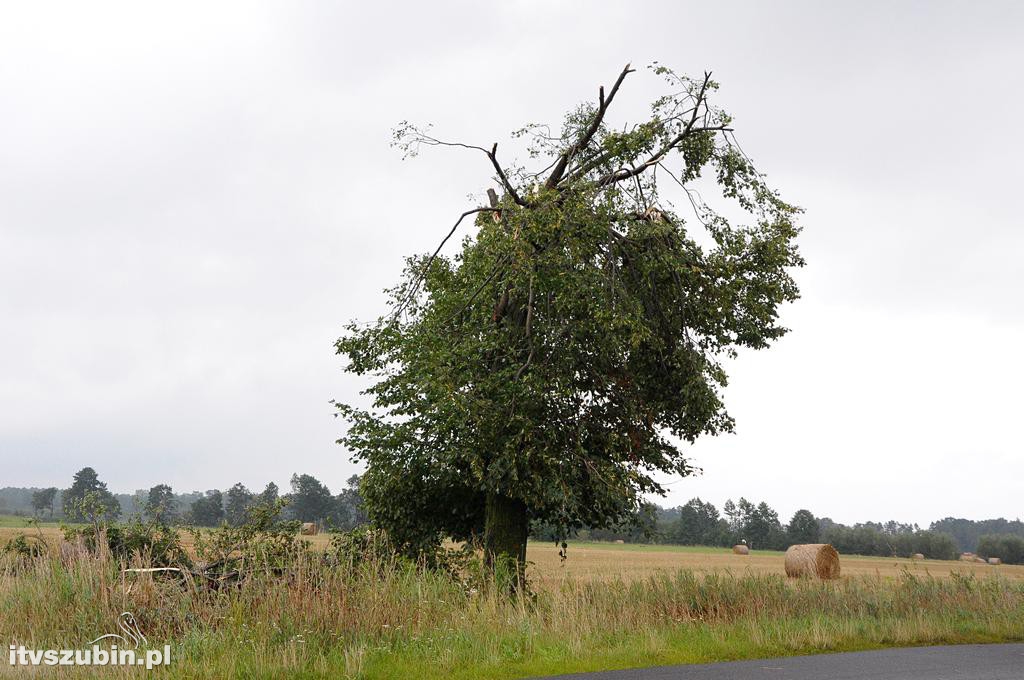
(309, 500)
(695, 523)
(700, 523)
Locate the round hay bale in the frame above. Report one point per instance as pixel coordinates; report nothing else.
(917, 556)
(994, 560)
(980, 560)
(967, 557)
(308, 529)
(740, 550)
(620, 541)
(816, 560)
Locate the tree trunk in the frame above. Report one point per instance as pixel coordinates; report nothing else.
(506, 527)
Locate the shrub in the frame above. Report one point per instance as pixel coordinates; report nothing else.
(158, 542)
(25, 546)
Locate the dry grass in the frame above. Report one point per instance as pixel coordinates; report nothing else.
(607, 561)
(626, 606)
(383, 619)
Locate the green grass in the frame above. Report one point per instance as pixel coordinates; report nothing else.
(383, 619)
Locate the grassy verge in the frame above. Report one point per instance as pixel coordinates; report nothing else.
(385, 619)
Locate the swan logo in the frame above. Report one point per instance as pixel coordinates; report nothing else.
(132, 635)
(123, 651)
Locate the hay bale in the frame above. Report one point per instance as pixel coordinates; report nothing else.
(967, 557)
(308, 529)
(917, 556)
(619, 541)
(740, 550)
(994, 560)
(980, 560)
(817, 560)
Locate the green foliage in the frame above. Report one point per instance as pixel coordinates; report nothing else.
(153, 541)
(239, 499)
(559, 355)
(896, 541)
(208, 510)
(967, 532)
(25, 546)
(44, 499)
(310, 499)
(160, 504)
(88, 498)
(758, 525)
(803, 528)
(349, 513)
(262, 543)
(639, 527)
(1008, 548)
(699, 524)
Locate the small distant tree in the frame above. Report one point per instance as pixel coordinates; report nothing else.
(160, 504)
(310, 499)
(44, 499)
(87, 482)
(269, 495)
(349, 505)
(803, 528)
(239, 500)
(208, 511)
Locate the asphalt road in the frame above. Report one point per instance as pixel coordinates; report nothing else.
(958, 662)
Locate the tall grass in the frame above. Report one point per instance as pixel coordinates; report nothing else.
(382, 617)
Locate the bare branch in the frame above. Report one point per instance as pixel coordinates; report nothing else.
(588, 134)
(492, 154)
(423, 272)
(421, 137)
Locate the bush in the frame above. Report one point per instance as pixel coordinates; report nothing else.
(158, 542)
(25, 546)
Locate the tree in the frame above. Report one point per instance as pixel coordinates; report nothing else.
(761, 525)
(803, 528)
(44, 499)
(698, 524)
(349, 506)
(239, 500)
(160, 504)
(311, 501)
(208, 510)
(87, 486)
(547, 370)
(268, 495)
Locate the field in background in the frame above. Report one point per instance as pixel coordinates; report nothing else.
(603, 561)
(593, 561)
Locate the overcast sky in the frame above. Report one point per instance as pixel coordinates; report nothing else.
(194, 198)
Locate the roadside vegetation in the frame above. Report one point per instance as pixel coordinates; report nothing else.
(257, 601)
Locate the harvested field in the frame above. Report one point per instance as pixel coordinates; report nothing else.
(605, 561)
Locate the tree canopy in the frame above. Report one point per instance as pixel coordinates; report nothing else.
(550, 369)
(160, 504)
(89, 496)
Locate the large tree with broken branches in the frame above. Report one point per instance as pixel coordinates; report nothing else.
(558, 361)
